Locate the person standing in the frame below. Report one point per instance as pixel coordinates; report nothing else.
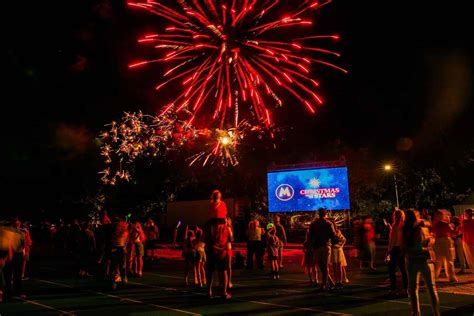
(367, 249)
(188, 254)
(254, 244)
(308, 260)
(444, 245)
(118, 252)
(273, 244)
(321, 232)
(28, 244)
(87, 250)
(14, 267)
(229, 251)
(416, 245)
(281, 234)
(152, 236)
(338, 259)
(5, 257)
(394, 251)
(199, 257)
(137, 239)
(216, 237)
(458, 244)
(467, 229)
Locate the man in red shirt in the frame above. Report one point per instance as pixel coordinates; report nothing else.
(467, 229)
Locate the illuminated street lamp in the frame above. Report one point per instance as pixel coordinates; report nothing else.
(388, 168)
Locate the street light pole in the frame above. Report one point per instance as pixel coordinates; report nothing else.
(388, 168)
(396, 189)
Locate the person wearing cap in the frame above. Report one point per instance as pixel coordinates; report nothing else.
(273, 244)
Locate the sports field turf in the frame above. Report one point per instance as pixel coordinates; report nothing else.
(53, 289)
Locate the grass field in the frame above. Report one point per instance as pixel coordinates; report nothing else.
(53, 289)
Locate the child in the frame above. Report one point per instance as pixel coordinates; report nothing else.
(188, 255)
(308, 260)
(338, 259)
(199, 258)
(273, 244)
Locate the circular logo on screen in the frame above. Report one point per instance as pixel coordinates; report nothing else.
(284, 192)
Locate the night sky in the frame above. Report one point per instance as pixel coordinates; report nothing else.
(410, 80)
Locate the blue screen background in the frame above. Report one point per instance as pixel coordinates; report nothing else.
(300, 179)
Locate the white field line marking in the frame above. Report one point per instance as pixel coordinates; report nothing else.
(246, 301)
(44, 306)
(126, 299)
(456, 292)
(292, 307)
(175, 277)
(348, 296)
(366, 298)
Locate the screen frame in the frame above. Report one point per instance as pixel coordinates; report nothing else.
(303, 169)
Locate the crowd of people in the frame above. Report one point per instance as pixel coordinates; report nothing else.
(418, 244)
(421, 245)
(113, 249)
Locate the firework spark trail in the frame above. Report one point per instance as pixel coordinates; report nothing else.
(229, 50)
(135, 136)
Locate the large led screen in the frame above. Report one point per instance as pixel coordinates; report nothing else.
(308, 190)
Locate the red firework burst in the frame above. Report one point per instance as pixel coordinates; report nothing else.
(228, 54)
